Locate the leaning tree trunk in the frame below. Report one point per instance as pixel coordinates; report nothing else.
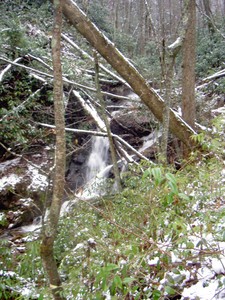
(114, 57)
(49, 231)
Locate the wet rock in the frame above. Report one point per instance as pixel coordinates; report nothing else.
(132, 126)
(23, 187)
(75, 175)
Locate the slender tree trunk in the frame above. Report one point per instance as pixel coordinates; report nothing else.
(49, 231)
(107, 125)
(150, 20)
(168, 79)
(116, 18)
(107, 49)
(209, 16)
(128, 8)
(141, 31)
(188, 76)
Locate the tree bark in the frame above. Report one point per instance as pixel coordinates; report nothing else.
(188, 75)
(114, 57)
(209, 16)
(141, 29)
(49, 231)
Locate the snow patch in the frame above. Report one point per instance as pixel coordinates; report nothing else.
(204, 291)
(218, 265)
(39, 181)
(9, 181)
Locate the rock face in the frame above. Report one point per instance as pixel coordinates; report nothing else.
(23, 189)
(131, 125)
(75, 175)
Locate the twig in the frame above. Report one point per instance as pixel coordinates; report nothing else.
(40, 61)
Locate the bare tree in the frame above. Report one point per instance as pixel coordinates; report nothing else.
(142, 28)
(49, 231)
(116, 17)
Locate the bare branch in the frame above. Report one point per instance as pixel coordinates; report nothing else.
(4, 71)
(65, 80)
(40, 61)
(25, 67)
(91, 110)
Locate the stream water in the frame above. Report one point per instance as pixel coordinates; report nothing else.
(97, 168)
(98, 157)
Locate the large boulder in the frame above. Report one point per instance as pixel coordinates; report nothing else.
(23, 186)
(132, 125)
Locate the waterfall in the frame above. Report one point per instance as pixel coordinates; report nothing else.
(98, 158)
(97, 168)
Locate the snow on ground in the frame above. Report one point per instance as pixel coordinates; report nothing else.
(8, 164)
(39, 181)
(209, 285)
(11, 179)
(205, 290)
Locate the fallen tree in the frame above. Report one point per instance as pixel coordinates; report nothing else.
(127, 71)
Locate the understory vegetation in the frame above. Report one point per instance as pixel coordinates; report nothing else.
(149, 242)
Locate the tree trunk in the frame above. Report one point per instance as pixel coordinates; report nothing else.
(209, 16)
(188, 76)
(107, 125)
(168, 79)
(116, 19)
(49, 231)
(114, 57)
(141, 29)
(128, 8)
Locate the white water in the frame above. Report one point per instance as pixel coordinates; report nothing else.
(97, 168)
(150, 140)
(98, 158)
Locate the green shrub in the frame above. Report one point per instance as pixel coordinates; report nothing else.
(210, 54)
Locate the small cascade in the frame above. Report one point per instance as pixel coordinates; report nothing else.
(97, 167)
(98, 158)
(150, 140)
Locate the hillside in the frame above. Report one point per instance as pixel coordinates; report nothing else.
(161, 236)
